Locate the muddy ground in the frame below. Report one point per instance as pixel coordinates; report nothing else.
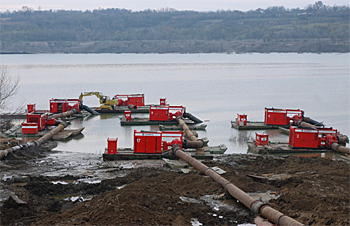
(62, 188)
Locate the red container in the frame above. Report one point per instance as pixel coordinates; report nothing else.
(261, 139)
(159, 113)
(133, 99)
(241, 119)
(162, 101)
(112, 145)
(64, 105)
(31, 108)
(147, 142)
(310, 138)
(137, 99)
(127, 115)
(29, 128)
(280, 117)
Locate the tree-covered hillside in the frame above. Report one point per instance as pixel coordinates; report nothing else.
(319, 23)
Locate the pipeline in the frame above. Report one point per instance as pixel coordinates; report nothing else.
(193, 140)
(64, 114)
(340, 148)
(91, 111)
(302, 124)
(43, 139)
(192, 117)
(255, 206)
(131, 106)
(343, 139)
(313, 122)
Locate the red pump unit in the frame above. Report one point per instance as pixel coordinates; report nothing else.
(165, 113)
(131, 99)
(312, 138)
(281, 117)
(35, 122)
(156, 142)
(64, 105)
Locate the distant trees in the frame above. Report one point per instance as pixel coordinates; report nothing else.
(121, 24)
(316, 21)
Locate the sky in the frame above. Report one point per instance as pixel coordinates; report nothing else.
(139, 5)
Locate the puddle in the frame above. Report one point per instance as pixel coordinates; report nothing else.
(190, 200)
(64, 182)
(90, 181)
(78, 198)
(195, 222)
(217, 205)
(264, 196)
(122, 186)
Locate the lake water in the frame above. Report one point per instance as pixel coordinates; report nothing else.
(213, 87)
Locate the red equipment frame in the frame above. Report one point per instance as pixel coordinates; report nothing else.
(242, 119)
(31, 108)
(112, 145)
(162, 101)
(261, 139)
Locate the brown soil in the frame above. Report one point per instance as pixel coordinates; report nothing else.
(317, 193)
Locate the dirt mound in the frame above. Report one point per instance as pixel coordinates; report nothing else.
(315, 193)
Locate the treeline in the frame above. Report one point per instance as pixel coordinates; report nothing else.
(114, 25)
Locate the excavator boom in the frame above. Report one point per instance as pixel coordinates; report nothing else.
(105, 101)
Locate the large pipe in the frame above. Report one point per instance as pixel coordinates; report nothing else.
(302, 124)
(41, 140)
(340, 148)
(195, 141)
(91, 111)
(256, 206)
(64, 114)
(192, 117)
(313, 122)
(343, 140)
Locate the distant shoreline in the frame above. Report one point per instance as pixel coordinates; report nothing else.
(180, 46)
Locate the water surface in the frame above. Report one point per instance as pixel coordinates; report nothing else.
(213, 87)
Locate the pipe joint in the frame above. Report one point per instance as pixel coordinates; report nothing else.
(206, 170)
(256, 206)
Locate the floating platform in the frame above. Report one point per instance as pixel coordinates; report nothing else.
(146, 121)
(255, 126)
(280, 148)
(121, 109)
(62, 135)
(192, 127)
(219, 149)
(128, 154)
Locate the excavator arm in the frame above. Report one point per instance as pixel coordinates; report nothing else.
(105, 101)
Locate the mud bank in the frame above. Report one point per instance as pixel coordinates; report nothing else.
(66, 188)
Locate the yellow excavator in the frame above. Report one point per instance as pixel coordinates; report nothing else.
(105, 101)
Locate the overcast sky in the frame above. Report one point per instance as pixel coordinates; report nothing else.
(137, 5)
